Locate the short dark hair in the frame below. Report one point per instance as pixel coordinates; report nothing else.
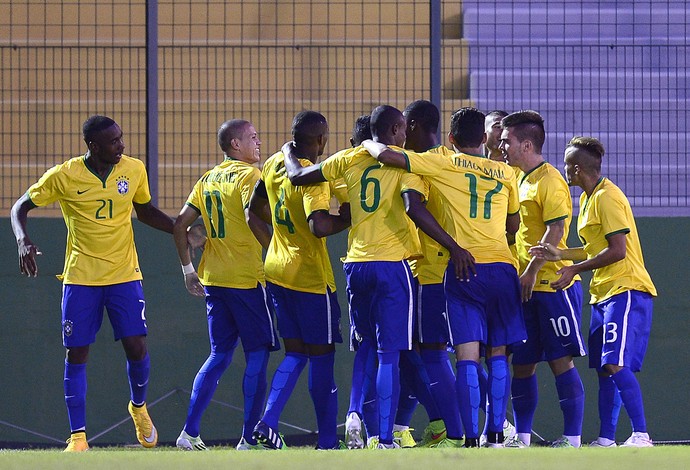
(425, 113)
(94, 125)
(497, 112)
(229, 130)
(382, 119)
(467, 127)
(362, 130)
(307, 125)
(527, 125)
(591, 148)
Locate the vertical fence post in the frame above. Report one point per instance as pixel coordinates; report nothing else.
(435, 38)
(152, 97)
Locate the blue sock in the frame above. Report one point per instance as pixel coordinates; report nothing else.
(407, 401)
(499, 391)
(442, 379)
(609, 407)
(370, 403)
(324, 394)
(412, 366)
(571, 395)
(387, 392)
(138, 373)
(525, 395)
(469, 397)
(358, 374)
(483, 385)
(631, 396)
(284, 380)
(75, 395)
(254, 390)
(205, 384)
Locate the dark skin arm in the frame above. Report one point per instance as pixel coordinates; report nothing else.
(512, 224)
(258, 214)
(385, 155)
(297, 174)
(26, 250)
(420, 215)
(154, 217)
(323, 224)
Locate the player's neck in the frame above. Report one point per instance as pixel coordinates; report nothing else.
(308, 152)
(99, 167)
(425, 143)
(475, 151)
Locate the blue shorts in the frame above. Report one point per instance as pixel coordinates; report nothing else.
(381, 297)
(487, 308)
(552, 320)
(82, 311)
(239, 313)
(619, 330)
(432, 320)
(313, 318)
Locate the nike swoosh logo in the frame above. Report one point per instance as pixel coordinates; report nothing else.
(435, 436)
(334, 390)
(82, 192)
(152, 438)
(433, 383)
(141, 385)
(606, 353)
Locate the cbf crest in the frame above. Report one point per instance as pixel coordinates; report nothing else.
(122, 185)
(67, 328)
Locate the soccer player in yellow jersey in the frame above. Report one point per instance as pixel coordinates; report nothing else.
(621, 290)
(231, 279)
(300, 280)
(552, 317)
(96, 193)
(493, 129)
(381, 240)
(483, 299)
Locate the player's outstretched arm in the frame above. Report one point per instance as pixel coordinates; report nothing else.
(420, 215)
(191, 279)
(154, 217)
(300, 175)
(26, 250)
(385, 155)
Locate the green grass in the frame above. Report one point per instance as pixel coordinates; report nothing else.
(168, 458)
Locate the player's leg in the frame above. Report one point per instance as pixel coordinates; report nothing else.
(353, 420)
(82, 315)
(467, 389)
(498, 391)
(407, 404)
(525, 396)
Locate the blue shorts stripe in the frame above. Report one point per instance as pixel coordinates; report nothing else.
(624, 333)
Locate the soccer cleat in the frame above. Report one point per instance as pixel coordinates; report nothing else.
(449, 443)
(508, 430)
(146, 431)
(514, 442)
(394, 445)
(434, 433)
(244, 445)
(353, 431)
(268, 437)
(404, 438)
(561, 443)
(187, 442)
(638, 439)
(373, 442)
(77, 443)
(599, 442)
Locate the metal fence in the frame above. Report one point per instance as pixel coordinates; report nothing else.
(613, 69)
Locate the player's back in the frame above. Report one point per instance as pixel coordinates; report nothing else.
(232, 255)
(478, 194)
(296, 258)
(381, 231)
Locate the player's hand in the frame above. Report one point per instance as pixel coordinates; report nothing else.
(194, 287)
(196, 238)
(344, 212)
(567, 274)
(463, 262)
(527, 281)
(546, 251)
(27, 252)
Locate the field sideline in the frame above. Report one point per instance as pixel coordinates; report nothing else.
(170, 458)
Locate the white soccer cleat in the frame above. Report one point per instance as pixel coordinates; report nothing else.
(187, 442)
(602, 442)
(353, 432)
(638, 439)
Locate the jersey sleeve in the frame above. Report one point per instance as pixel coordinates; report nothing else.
(425, 164)
(247, 184)
(194, 198)
(514, 195)
(555, 200)
(413, 182)
(142, 195)
(615, 220)
(339, 190)
(333, 167)
(48, 189)
(316, 197)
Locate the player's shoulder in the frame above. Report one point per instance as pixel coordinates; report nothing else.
(273, 163)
